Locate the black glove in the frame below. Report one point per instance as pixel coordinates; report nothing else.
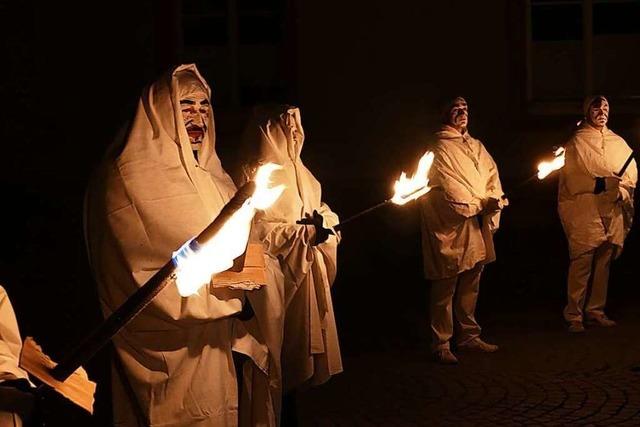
(600, 186)
(20, 384)
(322, 234)
(490, 205)
(247, 311)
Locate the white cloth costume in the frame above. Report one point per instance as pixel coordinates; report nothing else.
(595, 224)
(295, 310)
(456, 240)
(148, 198)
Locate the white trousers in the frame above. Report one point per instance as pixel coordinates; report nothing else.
(10, 419)
(587, 285)
(455, 295)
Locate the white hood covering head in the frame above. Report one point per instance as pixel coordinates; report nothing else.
(590, 100)
(190, 83)
(148, 198)
(276, 135)
(445, 109)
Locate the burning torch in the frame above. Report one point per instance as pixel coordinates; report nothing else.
(547, 167)
(405, 189)
(191, 267)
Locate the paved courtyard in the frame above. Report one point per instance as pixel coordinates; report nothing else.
(541, 376)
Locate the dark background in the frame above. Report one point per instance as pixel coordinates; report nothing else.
(368, 77)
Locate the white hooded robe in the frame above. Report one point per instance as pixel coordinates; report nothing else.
(295, 309)
(148, 198)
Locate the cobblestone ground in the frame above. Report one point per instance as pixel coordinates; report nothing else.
(539, 377)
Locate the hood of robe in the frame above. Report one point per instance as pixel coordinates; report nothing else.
(151, 195)
(275, 134)
(446, 107)
(161, 102)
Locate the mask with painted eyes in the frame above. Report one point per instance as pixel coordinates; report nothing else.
(597, 112)
(456, 114)
(195, 107)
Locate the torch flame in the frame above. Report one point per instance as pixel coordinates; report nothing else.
(407, 189)
(265, 196)
(196, 263)
(546, 167)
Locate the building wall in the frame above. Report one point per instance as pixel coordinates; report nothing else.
(371, 79)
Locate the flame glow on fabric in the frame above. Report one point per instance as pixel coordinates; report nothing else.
(196, 262)
(546, 167)
(231, 226)
(405, 189)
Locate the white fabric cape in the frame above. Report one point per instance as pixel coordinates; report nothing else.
(10, 348)
(295, 310)
(148, 198)
(462, 175)
(590, 219)
(10, 341)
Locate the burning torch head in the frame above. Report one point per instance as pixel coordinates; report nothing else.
(225, 239)
(456, 114)
(407, 189)
(194, 105)
(596, 111)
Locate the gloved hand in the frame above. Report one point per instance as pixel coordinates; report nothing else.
(609, 185)
(247, 311)
(491, 205)
(322, 234)
(19, 383)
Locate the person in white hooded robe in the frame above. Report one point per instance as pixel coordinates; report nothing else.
(596, 211)
(295, 310)
(459, 216)
(16, 398)
(160, 185)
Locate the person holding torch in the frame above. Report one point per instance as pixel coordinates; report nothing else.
(295, 310)
(160, 185)
(595, 204)
(459, 216)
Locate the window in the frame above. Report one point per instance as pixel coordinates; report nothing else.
(238, 45)
(580, 47)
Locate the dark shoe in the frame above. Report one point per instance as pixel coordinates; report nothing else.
(477, 344)
(445, 357)
(576, 327)
(602, 321)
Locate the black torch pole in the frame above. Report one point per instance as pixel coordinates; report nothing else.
(624, 167)
(338, 227)
(102, 334)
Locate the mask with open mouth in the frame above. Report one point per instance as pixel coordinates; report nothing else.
(196, 133)
(195, 107)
